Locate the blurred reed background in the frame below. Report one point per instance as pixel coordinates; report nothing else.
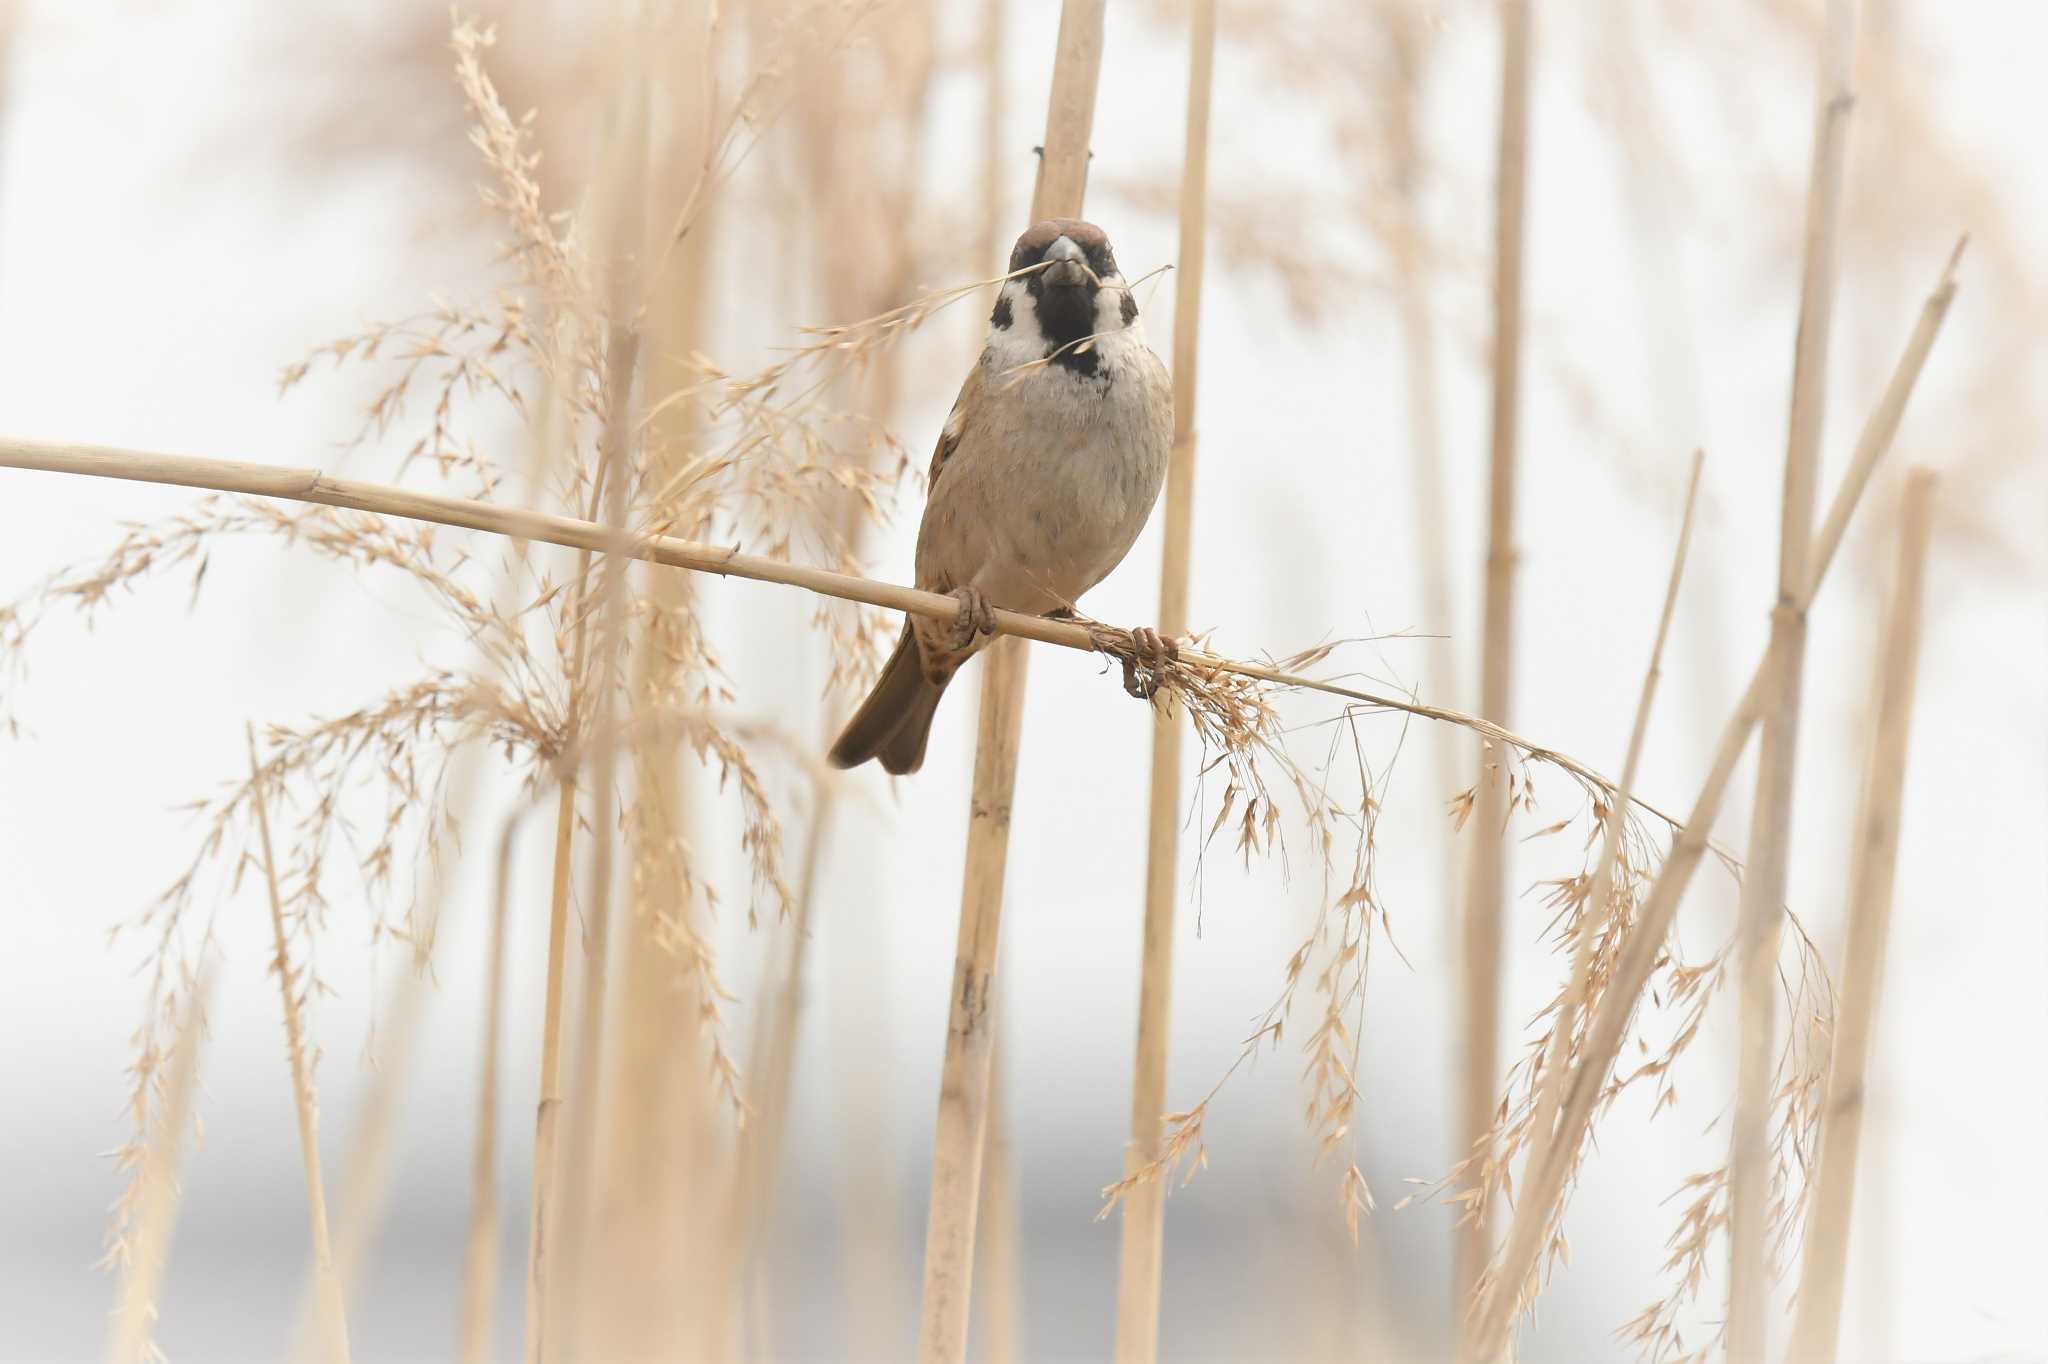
(456, 938)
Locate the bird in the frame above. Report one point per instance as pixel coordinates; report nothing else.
(1046, 471)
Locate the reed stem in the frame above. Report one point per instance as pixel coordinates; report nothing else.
(1143, 1231)
(1542, 1189)
(1816, 1329)
(1485, 889)
(1497, 1307)
(326, 1286)
(1770, 838)
(964, 1079)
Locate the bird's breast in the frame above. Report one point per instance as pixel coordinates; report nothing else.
(1052, 484)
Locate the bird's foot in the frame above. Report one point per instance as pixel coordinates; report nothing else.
(976, 616)
(1145, 667)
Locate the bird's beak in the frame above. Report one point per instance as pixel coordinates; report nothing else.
(1069, 268)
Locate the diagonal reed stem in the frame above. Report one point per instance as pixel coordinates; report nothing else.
(1543, 1187)
(312, 486)
(1523, 1245)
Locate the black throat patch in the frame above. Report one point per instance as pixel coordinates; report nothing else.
(1066, 318)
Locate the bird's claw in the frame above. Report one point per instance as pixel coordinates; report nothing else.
(976, 616)
(1145, 665)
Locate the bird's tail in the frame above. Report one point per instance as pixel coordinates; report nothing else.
(896, 719)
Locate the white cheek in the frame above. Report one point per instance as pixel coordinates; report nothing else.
(1109, 307)
(1021, 342)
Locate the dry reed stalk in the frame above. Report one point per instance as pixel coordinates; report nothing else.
(480, 1263)
(1544, 1188)
(1496, 1308)
(1197, 672)
(964, 1078)
(143, 1252)
(1144, 1219)
(327, 1287)
(653, 1287)
(880, 129)
(998, 1268)
(970, 1041)
(1485, 890)
(580, 1223)
(1770, 838)
(1816, 1327)
(999, 1239)
(366, 1172)
(548, 1108)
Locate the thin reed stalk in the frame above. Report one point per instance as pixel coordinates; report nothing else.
(580, 1167)
(970, 1034)
(999, 1238)
(840, 125)
(1144, 1223)
(1485, 890)
(548, 1108)
(145, 1250)
(964, 1077)
(365, 1182)
(656, 1294)
(999, 1268)
(310, 485)
(1770, 838)
(1496, 1309)
(480, 1263)
(1817, 1327)
(327, 1288)
(542, 1289)
(1543, 1188)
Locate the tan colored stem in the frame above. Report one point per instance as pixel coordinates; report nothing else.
(548, 1110)
(1486, 887)
(580, 1218)
(333, 1315)
(1497, 1309)
(1144, 1221)
(147, 1246)
(1817, 1327)
(1542, 1191)
(1770, 838)
(964, 1076)
(309, 485)
(1002, 1316)
(480, 1264)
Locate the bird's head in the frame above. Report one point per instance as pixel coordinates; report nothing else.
(1071, 293)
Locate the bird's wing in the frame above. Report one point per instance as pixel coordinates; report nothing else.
(972, 395)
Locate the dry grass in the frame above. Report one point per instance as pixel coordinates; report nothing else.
(139, 1240)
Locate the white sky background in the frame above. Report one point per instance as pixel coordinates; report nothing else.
(165, 247)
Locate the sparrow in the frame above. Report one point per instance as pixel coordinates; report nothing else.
(1046, 471)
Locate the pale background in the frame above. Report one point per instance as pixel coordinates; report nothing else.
(192, 195)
